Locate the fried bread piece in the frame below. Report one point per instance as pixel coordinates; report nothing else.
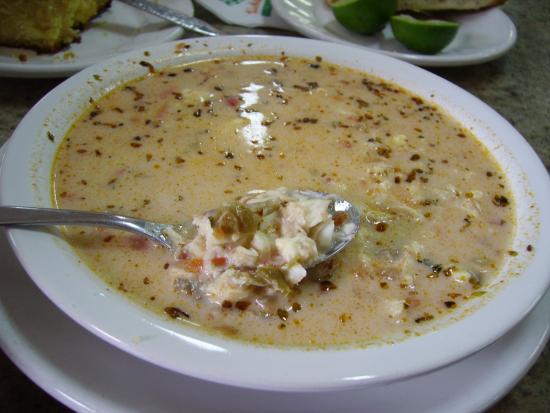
(45, 26)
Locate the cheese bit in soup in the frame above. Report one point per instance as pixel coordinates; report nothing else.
(438, 215)
(259, 245)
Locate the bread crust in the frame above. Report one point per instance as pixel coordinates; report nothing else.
(56, 47)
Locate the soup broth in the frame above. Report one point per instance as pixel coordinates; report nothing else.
(438, 216)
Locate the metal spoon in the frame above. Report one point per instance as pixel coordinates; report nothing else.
(187, 22)
(27, 216)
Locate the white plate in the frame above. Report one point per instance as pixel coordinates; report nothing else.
(119, 29)
(52, 264)
(89, 375)
(73, 287)
(483, 35)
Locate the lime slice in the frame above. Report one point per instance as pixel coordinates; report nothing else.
(363, 16)
(424, 36)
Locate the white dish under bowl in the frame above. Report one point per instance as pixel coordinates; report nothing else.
(97, 377)
(54, 267)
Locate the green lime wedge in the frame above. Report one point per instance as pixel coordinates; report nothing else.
(423, 36)
(363, 16)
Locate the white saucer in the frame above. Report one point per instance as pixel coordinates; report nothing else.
(119, 29)
(88, 375)
(483, 35)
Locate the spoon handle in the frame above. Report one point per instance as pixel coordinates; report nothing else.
(174, 16)
(28, 216)
(15, 215)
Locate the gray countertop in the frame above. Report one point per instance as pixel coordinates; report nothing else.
(516, 85)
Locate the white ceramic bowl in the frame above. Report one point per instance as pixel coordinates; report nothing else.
(25, 180)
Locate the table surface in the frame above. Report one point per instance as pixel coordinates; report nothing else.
(516, 85)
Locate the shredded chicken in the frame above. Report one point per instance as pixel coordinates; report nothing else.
(263, 242)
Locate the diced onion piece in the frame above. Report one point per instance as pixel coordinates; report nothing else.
(295, 274)
(298, 248)
(303, 215)
(243, 257)
(322, 234)
(262, 243)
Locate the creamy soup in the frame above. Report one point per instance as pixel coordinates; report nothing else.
(437, 212)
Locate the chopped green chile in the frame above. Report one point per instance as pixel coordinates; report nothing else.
(438, 215)
(234, 218)
(273, 277)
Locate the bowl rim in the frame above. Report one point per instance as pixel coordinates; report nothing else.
(227, 361)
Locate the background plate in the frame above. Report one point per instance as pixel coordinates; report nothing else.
(119, 29)
(483, 35)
